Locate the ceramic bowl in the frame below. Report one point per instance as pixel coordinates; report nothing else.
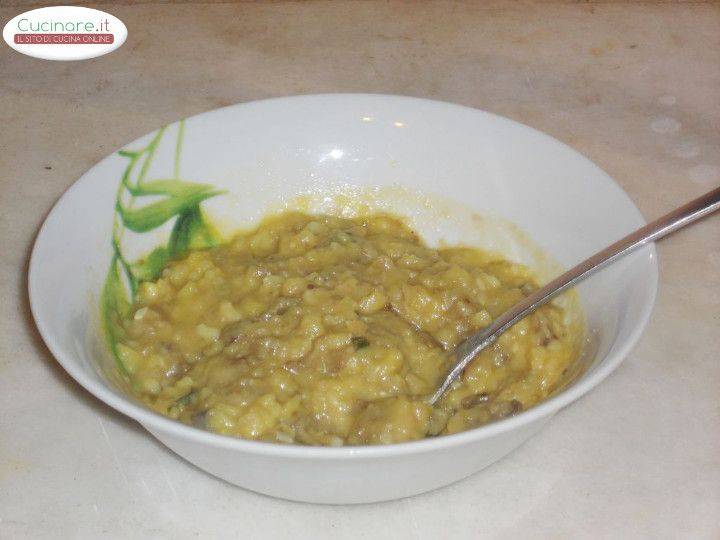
(458, 174)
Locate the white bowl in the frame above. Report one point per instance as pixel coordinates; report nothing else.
(434, 162)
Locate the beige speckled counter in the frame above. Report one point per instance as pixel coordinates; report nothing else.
(636, 88)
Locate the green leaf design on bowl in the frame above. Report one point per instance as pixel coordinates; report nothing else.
(181, 200)
(153, 215)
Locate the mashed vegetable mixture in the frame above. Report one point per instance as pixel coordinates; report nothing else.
(328, 331)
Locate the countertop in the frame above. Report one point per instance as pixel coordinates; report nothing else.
(635, 87)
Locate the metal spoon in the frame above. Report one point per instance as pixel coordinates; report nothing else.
(678, 218)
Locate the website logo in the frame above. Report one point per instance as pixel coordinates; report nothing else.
(65, 33)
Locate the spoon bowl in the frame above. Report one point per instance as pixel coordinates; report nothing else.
(680, 217)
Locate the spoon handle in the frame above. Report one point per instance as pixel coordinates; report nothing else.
(678, 218)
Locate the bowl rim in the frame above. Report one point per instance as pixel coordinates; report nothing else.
(156, 423)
